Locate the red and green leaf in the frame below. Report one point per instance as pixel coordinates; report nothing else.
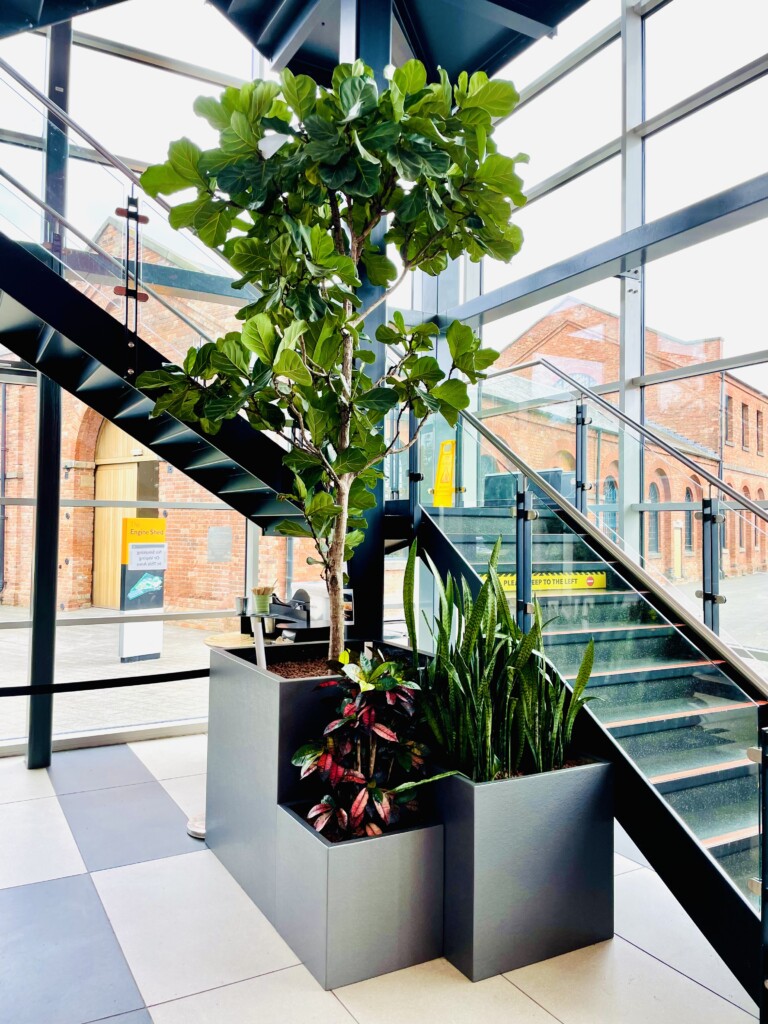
(385, 732)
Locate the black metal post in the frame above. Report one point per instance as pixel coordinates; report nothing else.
(711, 524)
(763, 874)
(46, 557)
(582, 485)
(415, 476)
(524, 559)
(366, 32)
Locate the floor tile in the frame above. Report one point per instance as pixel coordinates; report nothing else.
(37, 843)
(283, 997)
(623, 864)
(615, 983)
(60, 962)
(121, 826)
(186, 926)
(642, 901)
(175, 756)
(136, 1017)
(626, 847)
(77, 771)
(17, 782)
(189, 793)
(437, 992)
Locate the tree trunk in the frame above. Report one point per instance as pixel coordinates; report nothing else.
(335, 580)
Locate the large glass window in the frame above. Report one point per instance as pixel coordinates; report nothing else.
(680, 165)
(562, 223)
(692, 43)
(688, 521)
(654, 546)
(573, 117)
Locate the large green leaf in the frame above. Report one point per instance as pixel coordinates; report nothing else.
(183, 156)
(299, 92)
(379, 268)
(259, 336)
(290, 364)
(162, 178)
(213, 221)
(358, 97)
(215, 113)
(497, 98)
(411, 77)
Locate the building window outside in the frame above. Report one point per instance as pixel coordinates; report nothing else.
(744, 425)
(728, 419)
(759, 431)
(688, 521)
(653, 521)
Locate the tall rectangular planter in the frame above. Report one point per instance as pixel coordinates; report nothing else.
(357, 909)
(528, 867)
(256, 721)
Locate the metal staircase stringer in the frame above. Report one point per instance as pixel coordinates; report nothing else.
(89, 346)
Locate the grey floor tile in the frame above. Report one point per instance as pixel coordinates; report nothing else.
(76, 771)
(137, 1017)
(626, 847)
(60, 962)
(114, 827)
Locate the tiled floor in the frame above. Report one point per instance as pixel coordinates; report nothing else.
(109, 912)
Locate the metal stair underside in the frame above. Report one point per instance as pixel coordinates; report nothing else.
(61, 332)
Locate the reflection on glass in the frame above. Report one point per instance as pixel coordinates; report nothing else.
(713, 45)
(130, 707)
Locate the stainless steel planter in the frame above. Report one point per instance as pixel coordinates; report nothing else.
(256, 721)
(360, 908)
(528, 867)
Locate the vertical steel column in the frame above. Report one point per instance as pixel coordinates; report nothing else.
(632, 331)
(582, 472)
(366, 32)
(46, 557)
(712, 520)
(415, 477)
(524, 559)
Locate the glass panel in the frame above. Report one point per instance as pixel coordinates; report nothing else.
(580, 214)
(207, 38)
(714, 46)
(589, 19)
(14, 650)
(703, 303)
(573, 117)
(679, 168)
(394, 616)
(26, 53)
(102, 711)
(18, 433)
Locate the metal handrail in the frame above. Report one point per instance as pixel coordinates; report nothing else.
(646, 432)
(101, 252)
(103, 152)
(587, 527)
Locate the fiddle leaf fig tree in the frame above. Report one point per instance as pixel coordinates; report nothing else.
(293, 196)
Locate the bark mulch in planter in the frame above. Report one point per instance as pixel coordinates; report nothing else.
(306, 668)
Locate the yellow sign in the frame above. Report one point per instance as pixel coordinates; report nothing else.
(558, 582)
(141, 531)
(446, 463)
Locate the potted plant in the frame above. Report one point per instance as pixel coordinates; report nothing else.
(307, 194)
(362, 834)
(528, 824)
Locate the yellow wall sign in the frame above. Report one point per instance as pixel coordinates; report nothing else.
(446, 464)
(558, 582)
(141, 531)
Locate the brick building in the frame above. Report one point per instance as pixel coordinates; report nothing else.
(717, 419)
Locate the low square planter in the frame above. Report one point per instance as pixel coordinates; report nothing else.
(357, 909)
(528, 867)
(256, 722)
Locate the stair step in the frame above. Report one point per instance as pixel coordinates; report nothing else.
(639, 646)
(741, 864)
(718, 812)
(666, 716)
(547, 547)
(704, 743)
(597, 608)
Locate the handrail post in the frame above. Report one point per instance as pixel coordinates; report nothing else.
(524, 558)
(763, 875)
(712, 520)
(582, 422)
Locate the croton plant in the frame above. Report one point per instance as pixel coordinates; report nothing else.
(369, 757)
